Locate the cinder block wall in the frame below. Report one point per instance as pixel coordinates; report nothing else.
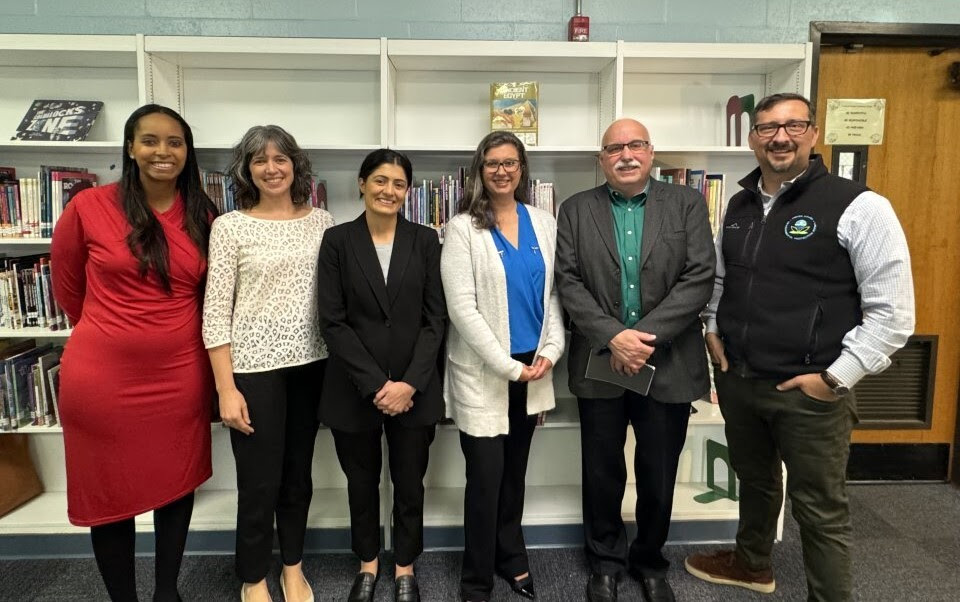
(630, 20)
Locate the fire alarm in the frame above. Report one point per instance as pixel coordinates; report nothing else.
(579, 25)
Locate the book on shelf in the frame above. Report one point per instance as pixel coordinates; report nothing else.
(8, 174)
(47, 412)
(27, 385)
(716, 199)
(66, 120)
(9, 415)
(674, 175)
(219, 187)
(26, 294)
(514, 107)
(711, 185)
(62, 183)
(434, 202)
(541, 195)
(318, 192)
(696, 179)
(53, 382)
(30, 207)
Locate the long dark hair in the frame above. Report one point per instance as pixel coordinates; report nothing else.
(383, 156)
(252, 144)
(146, 239)
(476, 201)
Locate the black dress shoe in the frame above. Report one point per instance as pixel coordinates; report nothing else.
(602, 588)
(363, 587)
(405, 589)
(657, 589)
(523, 587)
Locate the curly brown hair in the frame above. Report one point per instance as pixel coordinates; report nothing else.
(253, 143)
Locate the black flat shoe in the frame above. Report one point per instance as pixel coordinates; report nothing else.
(405, 589)
(523, 587)
(602, 588)
(363, 587)
(657, 589)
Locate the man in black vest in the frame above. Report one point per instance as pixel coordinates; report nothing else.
(813, 291)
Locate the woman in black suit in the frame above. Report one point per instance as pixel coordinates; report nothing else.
(382, 314)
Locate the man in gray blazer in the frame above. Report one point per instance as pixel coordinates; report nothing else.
(635, 266)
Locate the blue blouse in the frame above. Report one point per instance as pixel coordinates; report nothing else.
(525, 280)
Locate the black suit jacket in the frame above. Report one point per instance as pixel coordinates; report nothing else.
(378, 331)
(677, 264)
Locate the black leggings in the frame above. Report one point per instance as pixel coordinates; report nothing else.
(114, 543)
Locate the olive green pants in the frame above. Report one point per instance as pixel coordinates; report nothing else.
(812, 438)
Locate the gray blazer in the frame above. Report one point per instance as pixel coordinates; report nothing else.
(677, 260)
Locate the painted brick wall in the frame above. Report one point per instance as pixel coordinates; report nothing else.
(631, 20)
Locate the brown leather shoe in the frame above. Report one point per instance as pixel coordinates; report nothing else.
(723, 568)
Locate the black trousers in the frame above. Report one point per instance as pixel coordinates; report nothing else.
(274, 464)
(361, 459)
(114, 545)
(660, 430)
(493, 498)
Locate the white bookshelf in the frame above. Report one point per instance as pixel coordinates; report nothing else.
(33, 332)
(342, 98)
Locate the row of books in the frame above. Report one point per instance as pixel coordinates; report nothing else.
(710, 185)
(30, 207)
(434, 202)
(26, 294)
(219, 187)
(542, 196)
(29, 384)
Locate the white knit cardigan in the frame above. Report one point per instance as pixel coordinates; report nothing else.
(479, 365)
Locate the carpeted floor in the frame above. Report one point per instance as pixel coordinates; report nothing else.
(907, 547)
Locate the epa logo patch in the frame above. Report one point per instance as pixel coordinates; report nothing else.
(800, 227)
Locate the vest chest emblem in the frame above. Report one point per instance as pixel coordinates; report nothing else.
(800, 227)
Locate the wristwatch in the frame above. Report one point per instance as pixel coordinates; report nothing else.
(838, 388)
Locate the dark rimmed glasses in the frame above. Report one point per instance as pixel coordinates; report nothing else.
(635, 146)
(509, 166)
(792, 128)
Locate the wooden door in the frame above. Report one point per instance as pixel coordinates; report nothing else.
(918, 168)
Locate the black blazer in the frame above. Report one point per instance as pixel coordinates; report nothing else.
(378, 331)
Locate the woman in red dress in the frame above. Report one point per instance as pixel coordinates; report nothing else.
(136, 384)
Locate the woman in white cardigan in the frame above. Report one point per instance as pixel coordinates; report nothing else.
(506, 333)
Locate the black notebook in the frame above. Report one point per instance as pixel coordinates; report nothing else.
(598, 368)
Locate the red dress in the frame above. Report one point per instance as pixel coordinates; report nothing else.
(135, 380)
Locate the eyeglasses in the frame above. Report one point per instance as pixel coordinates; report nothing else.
(509, 166)
(635, 146)
(792, 128)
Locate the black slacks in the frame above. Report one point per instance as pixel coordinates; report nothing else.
(361, 459)
(274, 464)
(493, 498)
(660, 430)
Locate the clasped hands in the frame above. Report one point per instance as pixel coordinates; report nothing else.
(537, 371)
(394, 397)
(629, 351)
